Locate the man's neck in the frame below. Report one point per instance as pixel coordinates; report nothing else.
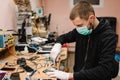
(96, 22)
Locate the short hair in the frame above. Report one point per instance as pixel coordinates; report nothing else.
(82, 9)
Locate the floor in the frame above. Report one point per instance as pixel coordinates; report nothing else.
(118, 77)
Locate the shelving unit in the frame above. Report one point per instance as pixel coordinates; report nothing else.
(24, 26)
(21, 16)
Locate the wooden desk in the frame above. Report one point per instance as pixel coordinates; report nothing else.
(8, 50)
(41, 62)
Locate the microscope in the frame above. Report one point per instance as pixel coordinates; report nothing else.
(23, 35)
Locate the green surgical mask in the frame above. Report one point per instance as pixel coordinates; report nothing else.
(84, 30)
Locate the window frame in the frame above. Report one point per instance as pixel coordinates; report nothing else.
(100, 5)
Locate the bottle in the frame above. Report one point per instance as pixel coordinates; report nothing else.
(26, 49)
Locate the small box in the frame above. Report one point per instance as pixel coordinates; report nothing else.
(6, 39)
(3, 40)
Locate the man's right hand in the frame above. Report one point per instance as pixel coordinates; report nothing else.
(55, 52)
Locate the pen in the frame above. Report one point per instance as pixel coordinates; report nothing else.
(27, 77)
(31, 74)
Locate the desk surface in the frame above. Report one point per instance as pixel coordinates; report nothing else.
(10, 45)
(38, 64)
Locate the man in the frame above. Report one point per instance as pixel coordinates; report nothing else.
(95, 46)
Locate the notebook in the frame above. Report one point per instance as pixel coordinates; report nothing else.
(2, 76)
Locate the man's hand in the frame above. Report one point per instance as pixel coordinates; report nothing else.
(55, 52)
(59, 74)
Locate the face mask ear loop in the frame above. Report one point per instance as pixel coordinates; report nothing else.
(91, 25)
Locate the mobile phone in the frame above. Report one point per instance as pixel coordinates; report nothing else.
(7, 69)
(27, 68)
(15, 76)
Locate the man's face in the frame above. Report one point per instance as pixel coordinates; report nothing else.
(78, 22)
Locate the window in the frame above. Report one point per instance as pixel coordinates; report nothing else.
(95, 3)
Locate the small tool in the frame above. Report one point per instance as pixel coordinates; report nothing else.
(32, 73)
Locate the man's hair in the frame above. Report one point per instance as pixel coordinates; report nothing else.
(82, 9)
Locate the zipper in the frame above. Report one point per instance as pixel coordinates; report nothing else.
(86, 55)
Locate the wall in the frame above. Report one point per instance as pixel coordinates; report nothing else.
(111, 8)
(8, 11)
(35, 4)
(7, 14)
(60, 10)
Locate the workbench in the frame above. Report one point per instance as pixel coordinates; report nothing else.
(41, 63)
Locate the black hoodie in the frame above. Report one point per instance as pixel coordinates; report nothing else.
(94, 53)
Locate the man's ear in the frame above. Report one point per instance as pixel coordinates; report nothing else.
(91, 18)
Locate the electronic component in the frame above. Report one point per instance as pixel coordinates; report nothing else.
(49, 70)
(6, 39)
(15, 76)
(27, 68)
(23, 64)
(3, 40)
(33, 58)
(21, 61)
(7, 69)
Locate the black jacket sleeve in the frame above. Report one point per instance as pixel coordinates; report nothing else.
(67, 38)
(105, 61)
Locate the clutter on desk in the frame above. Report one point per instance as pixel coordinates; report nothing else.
(32, 47)
(39, 40)
(15, 76)
(33, 58)
(23, 64)
(34, 64)
(46, 49)
(8, 68)
(52, 36)
(49, 70)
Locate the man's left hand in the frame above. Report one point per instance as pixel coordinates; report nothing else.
(58, 74)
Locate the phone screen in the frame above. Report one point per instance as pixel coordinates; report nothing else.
(7, 69)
